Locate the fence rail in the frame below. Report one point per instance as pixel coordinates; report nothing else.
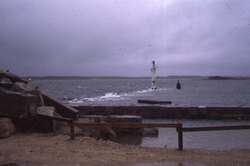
(213, 128)
(178, 127)
(56, 118)
(128, 125)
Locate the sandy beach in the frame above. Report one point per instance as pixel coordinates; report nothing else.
(57, 149)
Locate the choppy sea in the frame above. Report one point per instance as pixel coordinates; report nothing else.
(127, 91)
(194, 92)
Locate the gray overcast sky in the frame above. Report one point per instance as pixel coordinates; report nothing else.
(122, 37)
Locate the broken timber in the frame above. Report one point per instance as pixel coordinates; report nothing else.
(154, 102)
(61, 108)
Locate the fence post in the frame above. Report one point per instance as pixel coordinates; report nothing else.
(180, 136)
(72, 132)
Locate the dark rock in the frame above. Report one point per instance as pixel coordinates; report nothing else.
(22, 87)
(121, 119)
(15, 104)
(5, 83)
(28, 89)
(60, 108)
(14, 78)
(6, 127)
(43, 124)
(150, 131)
(108, 133)
(24, 124)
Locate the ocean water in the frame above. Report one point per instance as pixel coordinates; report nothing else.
(194, 92)
(211, 140)
(121, 91)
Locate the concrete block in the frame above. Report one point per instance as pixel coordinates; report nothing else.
(211, 111)
(193, 111)
(43, 124)
(234, 110)
(228, 110)
(185, 111)
(245, 110)
(202, 110)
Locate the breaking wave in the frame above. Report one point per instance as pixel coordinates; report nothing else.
(110, 96)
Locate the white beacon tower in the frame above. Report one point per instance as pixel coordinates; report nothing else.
(153, 80)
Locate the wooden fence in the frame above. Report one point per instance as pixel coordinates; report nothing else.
(178, 127)
(130, 125)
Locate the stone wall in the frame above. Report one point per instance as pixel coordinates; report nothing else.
(201, 112)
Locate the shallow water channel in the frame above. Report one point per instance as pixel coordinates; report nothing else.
(211, 140)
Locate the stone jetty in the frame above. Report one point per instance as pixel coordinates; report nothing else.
(169, 111)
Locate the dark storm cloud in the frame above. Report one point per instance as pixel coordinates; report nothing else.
(121, 38)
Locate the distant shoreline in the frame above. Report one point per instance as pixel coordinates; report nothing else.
(114, 77)
(227, 78)
(122, 77)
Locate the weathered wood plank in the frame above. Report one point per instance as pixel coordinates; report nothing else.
(212, 128)
(56, 118)
(61, 108)
(154, 102)
(127, 125)
(180, 137)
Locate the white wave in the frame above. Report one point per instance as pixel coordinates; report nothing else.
(110, 95)
(144, 91)
(77, 101)
(114, 96)
(107, 96)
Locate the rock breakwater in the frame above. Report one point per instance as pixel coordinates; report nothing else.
(19, 103)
